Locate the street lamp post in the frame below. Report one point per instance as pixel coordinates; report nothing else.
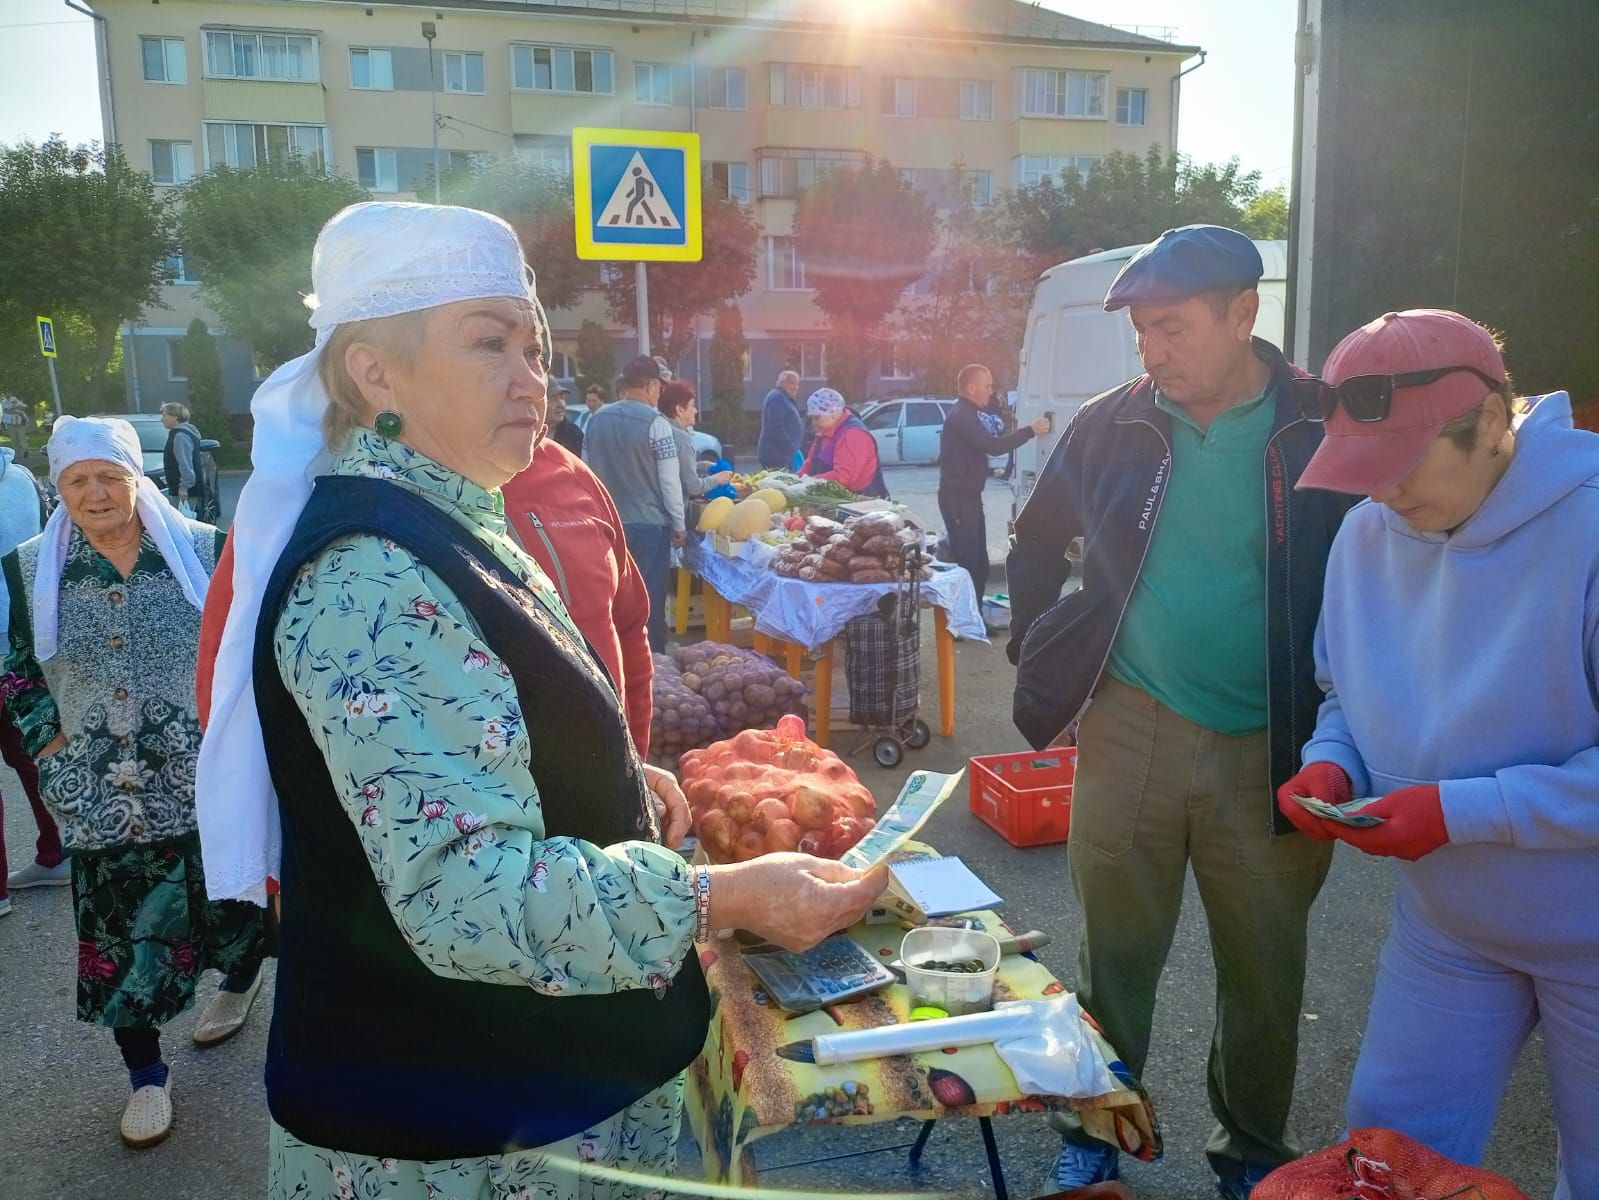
(429, 32)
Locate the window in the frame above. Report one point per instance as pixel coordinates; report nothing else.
(377, 170)
(796, 85)
(896, 365)
(899, 96)
(171, 162)
(463, 160)
(923, 412)
(261, 56)
(372, 70)
(1132, 106)
(463, 73)
(237, 145)
(175, 361)
(790, 172)
(652, 82)
(944, 187)
(1034, 168)
(1050, 93)
(730, 179)
(808, 358)
(785, 270)
(980, 186)
(664, 84)
(883, 419)
(977, 100)
(719, 87)
(561, 365)
(560, 69)
(164, 60)
(548, 152)
(180, 269)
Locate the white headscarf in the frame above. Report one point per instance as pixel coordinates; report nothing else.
(108, 439)
(371, 260)
(825, 402)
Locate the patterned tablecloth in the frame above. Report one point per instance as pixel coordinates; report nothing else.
(744, 1087)
(812, 614)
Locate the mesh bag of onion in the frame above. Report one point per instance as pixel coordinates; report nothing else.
(1379, 1164)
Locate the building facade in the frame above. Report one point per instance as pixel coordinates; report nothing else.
(986, 94)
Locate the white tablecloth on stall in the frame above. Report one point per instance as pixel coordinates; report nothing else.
(812, 614)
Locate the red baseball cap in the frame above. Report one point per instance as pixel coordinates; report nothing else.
(1364, 458)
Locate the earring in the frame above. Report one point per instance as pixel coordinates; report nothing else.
(1495, 452)
(388, 425)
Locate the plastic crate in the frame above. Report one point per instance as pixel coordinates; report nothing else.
(1026, 798)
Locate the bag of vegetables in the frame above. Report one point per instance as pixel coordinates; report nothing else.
(767, 790)
(745, 690)
(680, 719)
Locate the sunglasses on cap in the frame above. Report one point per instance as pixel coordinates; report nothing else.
(1368, 398)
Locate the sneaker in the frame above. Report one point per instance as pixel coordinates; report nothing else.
(225, 1015)
(1079, 1165)
(148, 1117)
(1239, 1189)
(5, 906)
(33, 875)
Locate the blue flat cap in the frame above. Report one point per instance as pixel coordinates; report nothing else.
(1185, 262)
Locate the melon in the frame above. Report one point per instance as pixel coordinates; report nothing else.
(715, 514)
(772, 498)
(748, 518)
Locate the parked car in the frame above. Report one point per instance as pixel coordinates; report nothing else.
(153, 444)
(910, 429)
(707, 446)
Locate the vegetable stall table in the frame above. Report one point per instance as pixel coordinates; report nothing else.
(802, 616)
(750, 1082)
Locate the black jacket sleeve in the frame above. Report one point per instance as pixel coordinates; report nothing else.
(971, 430)
(1037, 567)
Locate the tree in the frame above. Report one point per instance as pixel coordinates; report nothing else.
(82, 234)
(204, 371)
(250, 233)
(729, 353)
(1266, 216)
(680, 292)
(596, 357)
(537, 202)
(863, 235)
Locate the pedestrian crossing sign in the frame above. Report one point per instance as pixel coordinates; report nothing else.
(637, 194)
(47, 336)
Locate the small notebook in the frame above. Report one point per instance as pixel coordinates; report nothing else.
(939, 887)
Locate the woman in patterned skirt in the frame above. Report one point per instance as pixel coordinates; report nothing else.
(104, 622)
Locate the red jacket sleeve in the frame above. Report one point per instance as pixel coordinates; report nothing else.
(630, 612)
(218, 600)
(854, 460)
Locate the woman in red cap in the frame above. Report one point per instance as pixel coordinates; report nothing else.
(1459, 650)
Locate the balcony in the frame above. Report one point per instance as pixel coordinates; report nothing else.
(265, 100)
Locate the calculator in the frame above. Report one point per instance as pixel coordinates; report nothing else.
(830, 972)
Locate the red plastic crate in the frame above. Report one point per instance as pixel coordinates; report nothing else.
(1026, 797)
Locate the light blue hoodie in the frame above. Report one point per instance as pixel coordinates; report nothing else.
(19, 516)
(1472, 660)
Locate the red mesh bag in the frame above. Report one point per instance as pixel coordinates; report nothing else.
(1379, 1164)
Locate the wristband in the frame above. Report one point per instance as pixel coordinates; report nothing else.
(702, 905)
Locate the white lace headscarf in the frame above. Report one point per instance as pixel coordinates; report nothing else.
(371, 260)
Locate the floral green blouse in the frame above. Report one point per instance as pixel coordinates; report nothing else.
(422, 731)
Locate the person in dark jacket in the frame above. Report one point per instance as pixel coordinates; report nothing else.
(1187, 654)
(562, 429)
(782, 425)
(964, 449)
(181, 457)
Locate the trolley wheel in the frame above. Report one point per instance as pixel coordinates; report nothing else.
(887, 752)
(917, 733)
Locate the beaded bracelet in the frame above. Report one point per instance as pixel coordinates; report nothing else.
(702, 905)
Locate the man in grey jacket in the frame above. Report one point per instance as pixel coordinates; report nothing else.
(630, 446)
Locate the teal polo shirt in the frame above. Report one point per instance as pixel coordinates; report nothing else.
(1194, 634)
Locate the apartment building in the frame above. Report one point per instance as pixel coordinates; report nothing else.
(781, 92)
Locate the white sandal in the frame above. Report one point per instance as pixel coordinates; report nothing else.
(148, 1117)
(225, 1015)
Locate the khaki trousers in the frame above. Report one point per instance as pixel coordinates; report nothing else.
(1153, 793)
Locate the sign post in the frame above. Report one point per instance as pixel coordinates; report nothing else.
(637, 199)
(47, 347)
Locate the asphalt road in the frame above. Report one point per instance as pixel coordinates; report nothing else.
(64, 1085)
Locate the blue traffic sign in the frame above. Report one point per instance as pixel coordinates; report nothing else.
(637, 194)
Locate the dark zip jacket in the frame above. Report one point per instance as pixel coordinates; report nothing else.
(1104, 482)
(964, 447)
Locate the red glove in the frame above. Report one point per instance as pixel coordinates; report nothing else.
(1323, 780)
(1413, 824)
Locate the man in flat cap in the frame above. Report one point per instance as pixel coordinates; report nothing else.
(1182, 667)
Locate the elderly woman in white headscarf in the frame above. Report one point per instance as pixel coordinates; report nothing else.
(487, 983)
(104, 620)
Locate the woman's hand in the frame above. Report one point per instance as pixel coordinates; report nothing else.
(670, 805)
(1412, 826)
(718, 479)
(1326, 782)
(792, 900)
(54, 746)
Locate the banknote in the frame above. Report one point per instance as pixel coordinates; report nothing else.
(1345, 814)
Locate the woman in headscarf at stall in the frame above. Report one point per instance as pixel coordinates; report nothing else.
(487, 983)
(843, 450)
(104, 622)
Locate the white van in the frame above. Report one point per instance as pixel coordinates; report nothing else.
(1073, 349)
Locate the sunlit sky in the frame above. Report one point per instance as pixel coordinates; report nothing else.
(1240, 103)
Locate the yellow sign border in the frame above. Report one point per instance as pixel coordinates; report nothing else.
(692, 249)
(39, 324)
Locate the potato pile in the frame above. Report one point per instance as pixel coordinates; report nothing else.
(864, 549)
(708, 691)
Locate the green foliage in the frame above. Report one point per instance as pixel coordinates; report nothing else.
(83, 239)
(537, 202)
(728, 352)
(1266, 216)
(204, 369)
(249, 235)
(679, 293)
(864, 236)
(596, 358)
